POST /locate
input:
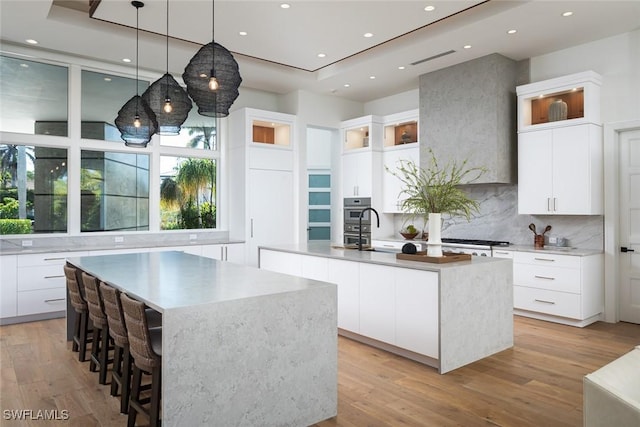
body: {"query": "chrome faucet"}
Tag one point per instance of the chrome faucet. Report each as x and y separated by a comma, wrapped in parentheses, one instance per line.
(360, 224)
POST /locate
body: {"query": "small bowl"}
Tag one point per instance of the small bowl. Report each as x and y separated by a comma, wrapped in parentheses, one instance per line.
(409, 236)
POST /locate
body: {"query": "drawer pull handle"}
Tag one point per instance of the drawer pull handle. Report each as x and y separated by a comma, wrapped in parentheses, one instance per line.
(54, 300)
(54, 277)
(544, 259)
(545, 302)
(544, 277)
(502, 253)
(54, 259)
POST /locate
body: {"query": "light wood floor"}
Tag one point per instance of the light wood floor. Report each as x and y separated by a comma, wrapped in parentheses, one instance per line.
(536, 383)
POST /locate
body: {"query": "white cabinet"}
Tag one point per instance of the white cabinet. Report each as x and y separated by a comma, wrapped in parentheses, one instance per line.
(357, 174)
(8, 286)
(502, 253)
(377, 302)
(346, 275)
(568, 289)
(41, 283)
(560, 171)
(232, 252)
(262, 190)
(392, 186)
(362, 145)
(281, 262)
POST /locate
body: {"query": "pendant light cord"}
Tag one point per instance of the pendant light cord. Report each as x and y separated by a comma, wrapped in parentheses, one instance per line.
(137, 29)
(166, 78)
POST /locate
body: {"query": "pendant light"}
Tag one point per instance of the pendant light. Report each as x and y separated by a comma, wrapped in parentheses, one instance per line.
(167, 99)
(136, 121)
(212, 78)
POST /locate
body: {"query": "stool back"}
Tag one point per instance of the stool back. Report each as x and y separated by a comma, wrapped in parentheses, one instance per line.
(94, 301)
(139, 336)
(75, 295)
(115, 315)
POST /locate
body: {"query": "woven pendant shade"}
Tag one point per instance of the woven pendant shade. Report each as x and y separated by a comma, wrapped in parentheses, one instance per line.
(166, 87)
(141, 135)
(216, 58)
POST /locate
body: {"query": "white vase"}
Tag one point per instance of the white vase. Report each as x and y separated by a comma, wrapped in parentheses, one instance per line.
(434, 244)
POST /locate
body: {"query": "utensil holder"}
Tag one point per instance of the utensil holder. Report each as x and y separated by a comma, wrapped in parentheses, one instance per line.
(538, 241)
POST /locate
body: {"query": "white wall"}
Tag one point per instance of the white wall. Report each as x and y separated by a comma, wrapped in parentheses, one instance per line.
(616, 58)
(404, 101)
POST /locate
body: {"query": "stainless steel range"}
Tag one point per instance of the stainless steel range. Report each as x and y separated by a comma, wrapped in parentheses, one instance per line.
(472, 246)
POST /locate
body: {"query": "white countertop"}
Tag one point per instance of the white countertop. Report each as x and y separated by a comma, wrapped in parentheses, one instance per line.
(166, 280)
(325, 249)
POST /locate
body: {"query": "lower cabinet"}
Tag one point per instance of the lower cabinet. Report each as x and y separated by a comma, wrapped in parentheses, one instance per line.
(393, 305)
(9, 286)
(567, 289)
(232, 252)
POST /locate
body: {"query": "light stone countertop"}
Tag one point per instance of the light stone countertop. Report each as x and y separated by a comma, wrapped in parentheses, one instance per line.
(324, 249)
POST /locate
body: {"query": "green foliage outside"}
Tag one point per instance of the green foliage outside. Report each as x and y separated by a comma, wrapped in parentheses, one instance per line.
(15, 226)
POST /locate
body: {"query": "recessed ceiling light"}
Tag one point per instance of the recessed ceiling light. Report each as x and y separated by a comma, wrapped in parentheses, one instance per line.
(568, 13)
(430, 8)
(372, 77)
(367, 35)
(402, 67)
(23, 65)
(107, 79)
(512, 31)
(322, 55)
(243, 33)
(285, 5)
(347, 85)
(126, 60)
(31, 41)
(467, 46)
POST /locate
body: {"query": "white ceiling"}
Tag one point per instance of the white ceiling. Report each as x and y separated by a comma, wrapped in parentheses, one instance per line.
(279, 53)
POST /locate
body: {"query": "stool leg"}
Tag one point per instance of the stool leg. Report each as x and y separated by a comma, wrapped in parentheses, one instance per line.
(104, 356)
(84, 336)
(156, 387)
(127, 362)
(135, 396)
(95, 349)
(116, 370)
(76, 332)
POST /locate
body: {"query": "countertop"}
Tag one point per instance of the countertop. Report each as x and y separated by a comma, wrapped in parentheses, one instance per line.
(324, 249)
(566, 250)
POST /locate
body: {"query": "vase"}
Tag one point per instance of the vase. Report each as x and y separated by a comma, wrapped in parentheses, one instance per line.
(434, 244)
(557, 110)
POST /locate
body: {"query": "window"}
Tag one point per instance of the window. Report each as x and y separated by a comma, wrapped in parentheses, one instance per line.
(33, 189)
(33, 97)
(114, 191)
(187, 193)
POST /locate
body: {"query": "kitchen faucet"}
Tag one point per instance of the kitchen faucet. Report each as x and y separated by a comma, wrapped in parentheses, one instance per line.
(360, 224)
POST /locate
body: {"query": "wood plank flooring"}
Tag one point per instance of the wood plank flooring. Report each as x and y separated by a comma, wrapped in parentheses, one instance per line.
(538, 382)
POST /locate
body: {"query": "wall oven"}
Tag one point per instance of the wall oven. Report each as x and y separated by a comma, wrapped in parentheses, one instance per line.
(353, 207)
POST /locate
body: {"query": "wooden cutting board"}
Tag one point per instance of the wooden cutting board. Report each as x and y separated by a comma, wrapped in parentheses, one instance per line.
(423, 257)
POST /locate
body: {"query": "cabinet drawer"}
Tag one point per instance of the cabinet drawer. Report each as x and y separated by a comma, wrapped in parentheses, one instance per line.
(546, 277)
(41, 277)
(41, 301)
(501, 253)
(46, 259)
(541, 258)
(550, 302)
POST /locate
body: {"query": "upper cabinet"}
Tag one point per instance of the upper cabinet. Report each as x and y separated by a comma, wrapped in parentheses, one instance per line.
(563, 101)
(363, 133)
(560, 150)
(401, 129)
(468, 112)
(271, 132)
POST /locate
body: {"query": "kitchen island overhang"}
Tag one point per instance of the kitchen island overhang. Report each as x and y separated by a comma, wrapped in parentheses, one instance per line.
(240, 346)
(443, 315)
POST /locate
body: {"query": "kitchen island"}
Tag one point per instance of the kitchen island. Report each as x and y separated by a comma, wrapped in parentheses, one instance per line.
(443, 315)
(240, 346)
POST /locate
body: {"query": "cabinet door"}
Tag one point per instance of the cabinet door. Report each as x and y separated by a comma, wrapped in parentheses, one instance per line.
(281, 262)
(391, 185)
(377, 302)
(235, 252)
(357, 174)
(213, 251)
(270, 210)
(535, 172)
(315, 268)
(346, 275)
(417, 311)
(571, 170)
(9, 286)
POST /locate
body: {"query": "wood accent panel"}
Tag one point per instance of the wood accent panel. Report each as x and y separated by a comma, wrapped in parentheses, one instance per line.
(538, 382)
(540, 106)
(264, 134)
(410, 128)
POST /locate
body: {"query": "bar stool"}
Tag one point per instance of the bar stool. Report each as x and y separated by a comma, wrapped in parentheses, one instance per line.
(122, 361)
(81, 324)
(146, 348)
(101, 338)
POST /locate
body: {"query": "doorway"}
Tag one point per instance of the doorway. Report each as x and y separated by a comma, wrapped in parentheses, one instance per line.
(319, 181)
(622, 222)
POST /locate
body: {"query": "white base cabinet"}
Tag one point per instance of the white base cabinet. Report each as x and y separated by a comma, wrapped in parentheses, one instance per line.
(8, 286)
(565, 289)
(232, 252)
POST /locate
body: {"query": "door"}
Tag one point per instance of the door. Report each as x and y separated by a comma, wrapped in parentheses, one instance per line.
(629, 261)
(319, 213)
(270, 210)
